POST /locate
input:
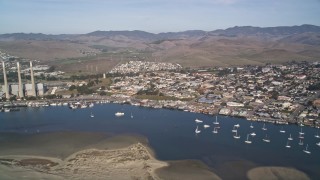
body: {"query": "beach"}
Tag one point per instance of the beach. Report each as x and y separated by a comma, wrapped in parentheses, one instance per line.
(81, 155)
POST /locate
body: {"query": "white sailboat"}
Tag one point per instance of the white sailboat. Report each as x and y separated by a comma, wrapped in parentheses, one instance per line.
(198, 121)
(234, 129)
(266, 139)
(282, 130)
(206, 126)
(237, 125)
(264, 127)
(300, 142)
(91, 115)
(247, 141)
(290, 138)
(197, 131)
(236, 136)
(318, 144)
(288, 145)
(251, 126)
(253, 134)
(216, 122)
(301, 133)
(215, 130)
(306, 150)
(301, 136)
(317, 135)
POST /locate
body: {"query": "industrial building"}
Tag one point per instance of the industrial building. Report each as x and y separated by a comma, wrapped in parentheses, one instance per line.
(20, 90)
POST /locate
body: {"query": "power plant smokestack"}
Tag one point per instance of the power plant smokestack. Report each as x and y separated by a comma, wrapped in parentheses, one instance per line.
(20, 83)
(32, 81)
(6, 88)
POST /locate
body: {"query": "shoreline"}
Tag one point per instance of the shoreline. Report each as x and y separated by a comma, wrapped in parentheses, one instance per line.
(91, 101)
(101, 156)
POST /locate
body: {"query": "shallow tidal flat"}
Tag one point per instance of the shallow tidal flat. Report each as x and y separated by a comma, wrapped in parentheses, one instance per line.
(81, 155)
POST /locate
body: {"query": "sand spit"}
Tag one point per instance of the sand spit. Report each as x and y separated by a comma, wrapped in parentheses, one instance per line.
(276, 173)
(133, 162)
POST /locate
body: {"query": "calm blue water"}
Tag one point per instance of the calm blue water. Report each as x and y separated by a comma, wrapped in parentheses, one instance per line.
(171, 134)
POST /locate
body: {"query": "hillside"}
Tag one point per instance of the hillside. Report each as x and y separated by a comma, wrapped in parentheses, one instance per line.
(194, 48)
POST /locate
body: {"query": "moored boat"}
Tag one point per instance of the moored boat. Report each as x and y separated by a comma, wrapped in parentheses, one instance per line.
(206, 126)
(197, 131)
(247, 141)
(118, 114)
(306, 150)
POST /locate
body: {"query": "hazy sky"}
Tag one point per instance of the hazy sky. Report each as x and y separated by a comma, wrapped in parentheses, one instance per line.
(83, 16)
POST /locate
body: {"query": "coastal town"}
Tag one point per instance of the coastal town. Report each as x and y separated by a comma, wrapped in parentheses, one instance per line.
(288, 93)
(274, 93)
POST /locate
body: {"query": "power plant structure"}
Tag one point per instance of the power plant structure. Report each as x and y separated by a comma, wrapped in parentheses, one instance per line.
(19, 89)
(33, 90)
(6, 87)
(21, 94)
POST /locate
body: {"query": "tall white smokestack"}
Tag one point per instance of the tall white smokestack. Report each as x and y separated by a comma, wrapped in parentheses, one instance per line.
(6, 88)
(32, 81)
(20, 82)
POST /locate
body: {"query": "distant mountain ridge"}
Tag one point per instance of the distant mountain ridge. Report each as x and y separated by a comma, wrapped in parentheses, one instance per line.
(275, 31)
(280, 31)
(245, 45)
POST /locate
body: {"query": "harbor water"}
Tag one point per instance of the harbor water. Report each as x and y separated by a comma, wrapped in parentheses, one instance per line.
(171, 134)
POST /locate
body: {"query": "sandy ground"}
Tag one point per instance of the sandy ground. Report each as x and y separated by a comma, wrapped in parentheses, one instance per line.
(133, 162)
(71, 155)
(276, 173)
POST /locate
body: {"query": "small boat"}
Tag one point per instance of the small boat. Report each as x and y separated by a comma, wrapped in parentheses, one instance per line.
(198, 121)
(318, 144)
(288, 145)
(301, 136)
(264, 127)
(90, 105)
(206, 126)
(236, 136)
(131, 116)
(301, 124)
(197, 131)
(300, 142)
(306, 150)
(91, 115)
(266, 139)
(317, 135)
(215, 130)
(216, 122)
(253, 134)
(282, 130)
(84, 105)
(247, 141)
(234, 129)
(301, 133)
(237, 125)
(251, 126)
(118, 114)
(290, 138)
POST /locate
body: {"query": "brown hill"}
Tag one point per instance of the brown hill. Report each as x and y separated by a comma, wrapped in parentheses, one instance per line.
(233, 46)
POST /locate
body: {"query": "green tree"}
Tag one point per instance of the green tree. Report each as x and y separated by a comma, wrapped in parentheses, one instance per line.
(72, 87)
